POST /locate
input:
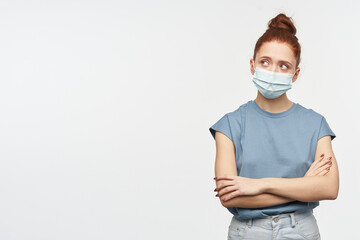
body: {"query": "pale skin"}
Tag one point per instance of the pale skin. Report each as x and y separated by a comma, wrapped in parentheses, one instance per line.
(321, 182)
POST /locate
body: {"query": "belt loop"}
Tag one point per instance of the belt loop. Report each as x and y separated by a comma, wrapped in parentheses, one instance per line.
(292, 219)
(249, 222)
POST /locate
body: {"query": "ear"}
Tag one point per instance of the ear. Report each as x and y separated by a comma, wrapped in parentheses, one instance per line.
(252, 66)
(296, 74)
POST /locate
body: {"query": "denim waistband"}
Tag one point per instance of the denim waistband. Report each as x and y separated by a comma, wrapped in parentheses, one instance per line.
(269, 222)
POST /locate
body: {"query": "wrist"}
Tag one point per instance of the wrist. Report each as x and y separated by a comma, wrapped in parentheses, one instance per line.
(265, 185)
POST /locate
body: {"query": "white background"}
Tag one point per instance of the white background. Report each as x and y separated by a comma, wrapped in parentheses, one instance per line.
(105, 109)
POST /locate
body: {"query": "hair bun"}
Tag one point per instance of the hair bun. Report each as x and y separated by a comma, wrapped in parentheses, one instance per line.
(281, 21)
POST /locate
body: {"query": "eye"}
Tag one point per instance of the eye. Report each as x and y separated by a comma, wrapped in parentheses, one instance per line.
(285, 66)
(263, 61)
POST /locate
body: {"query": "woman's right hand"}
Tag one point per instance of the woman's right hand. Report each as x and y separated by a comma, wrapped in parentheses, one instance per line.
(319, 167)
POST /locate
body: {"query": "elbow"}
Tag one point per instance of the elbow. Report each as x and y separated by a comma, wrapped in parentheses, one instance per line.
(332, 189)
(224, 203)
(333, 195)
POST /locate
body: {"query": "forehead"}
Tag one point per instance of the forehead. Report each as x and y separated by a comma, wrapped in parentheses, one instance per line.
(278, 51)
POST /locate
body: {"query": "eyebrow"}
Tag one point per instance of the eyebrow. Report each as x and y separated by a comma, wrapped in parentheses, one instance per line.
(279, 61)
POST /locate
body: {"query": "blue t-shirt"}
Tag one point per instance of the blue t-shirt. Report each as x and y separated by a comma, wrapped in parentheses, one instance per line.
(279, 145)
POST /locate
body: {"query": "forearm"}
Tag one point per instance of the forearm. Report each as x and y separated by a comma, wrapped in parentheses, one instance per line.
(256, 201)
(305, 189)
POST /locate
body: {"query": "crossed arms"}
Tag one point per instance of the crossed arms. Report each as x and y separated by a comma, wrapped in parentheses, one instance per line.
(278, 190)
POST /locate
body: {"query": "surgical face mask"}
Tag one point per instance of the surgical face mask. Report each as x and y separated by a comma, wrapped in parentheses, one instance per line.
(272, 84)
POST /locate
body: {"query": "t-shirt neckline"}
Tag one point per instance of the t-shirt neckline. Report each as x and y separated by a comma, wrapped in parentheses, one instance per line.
(274, 115)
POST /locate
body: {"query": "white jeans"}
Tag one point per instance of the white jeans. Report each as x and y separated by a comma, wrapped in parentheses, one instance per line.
(296, 225)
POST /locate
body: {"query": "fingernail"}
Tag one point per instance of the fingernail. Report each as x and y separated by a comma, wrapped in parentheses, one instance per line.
(217, 195)
(215, 190)
(215, 178)
(321, 155)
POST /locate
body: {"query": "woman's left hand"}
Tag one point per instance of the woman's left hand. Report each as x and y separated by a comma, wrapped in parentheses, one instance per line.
(235, 186)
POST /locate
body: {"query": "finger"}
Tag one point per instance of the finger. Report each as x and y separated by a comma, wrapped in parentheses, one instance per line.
(322, 156)
(227, 177)
(325, 162)
(324, 172)
(229, 196)
(226, 190)
(321, 169)
(312, 166)
(223, 184)
(319, 160)
(315, 164)
(319, 163)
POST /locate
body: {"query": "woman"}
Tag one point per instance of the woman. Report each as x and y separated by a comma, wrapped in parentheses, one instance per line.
(274, 160)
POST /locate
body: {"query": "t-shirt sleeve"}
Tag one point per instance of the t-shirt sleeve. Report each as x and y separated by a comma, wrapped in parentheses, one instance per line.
(222, 125)
(325, 129)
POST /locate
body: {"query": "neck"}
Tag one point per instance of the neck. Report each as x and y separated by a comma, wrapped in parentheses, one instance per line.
(275, 105)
